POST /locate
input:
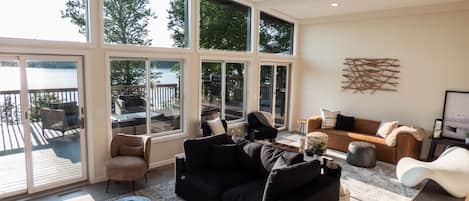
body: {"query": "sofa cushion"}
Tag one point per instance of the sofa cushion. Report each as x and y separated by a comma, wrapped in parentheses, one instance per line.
(385, 128)
(270, 154)
(355, 136)
(366, 126)
(216, 126)
(329, 118)
(252, 191)
(344, 123)
(285, 180)
(224, 157)
(250, 157)
(211, 184)
(198, 151)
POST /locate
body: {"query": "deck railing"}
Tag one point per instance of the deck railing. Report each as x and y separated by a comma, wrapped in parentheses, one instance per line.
(162, 96)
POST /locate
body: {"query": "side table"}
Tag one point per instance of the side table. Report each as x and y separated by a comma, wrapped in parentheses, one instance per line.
(444, 141)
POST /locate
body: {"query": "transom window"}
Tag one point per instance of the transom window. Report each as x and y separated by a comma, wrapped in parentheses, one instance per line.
(275, 35)
(223, 90)
(225, 25)
(146, 96)
(56, 20)
(158, 23)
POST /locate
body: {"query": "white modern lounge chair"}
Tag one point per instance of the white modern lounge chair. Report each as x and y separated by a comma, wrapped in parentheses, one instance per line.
(450, 170)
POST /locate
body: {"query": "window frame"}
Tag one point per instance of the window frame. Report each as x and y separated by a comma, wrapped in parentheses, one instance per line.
(148, 58)
(50, 42)
(223, 87)
(188, 32)
(275, 64)
(251, 26)
(294, 36)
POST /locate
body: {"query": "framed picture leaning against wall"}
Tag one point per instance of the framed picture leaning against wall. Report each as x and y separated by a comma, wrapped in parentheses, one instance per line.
(456, 115)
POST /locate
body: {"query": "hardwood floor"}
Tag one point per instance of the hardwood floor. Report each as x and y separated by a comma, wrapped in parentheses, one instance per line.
(96, 192)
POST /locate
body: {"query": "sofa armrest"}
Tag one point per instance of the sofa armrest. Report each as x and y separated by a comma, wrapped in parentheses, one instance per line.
(313, 123)
(180, 166)
(407, 146)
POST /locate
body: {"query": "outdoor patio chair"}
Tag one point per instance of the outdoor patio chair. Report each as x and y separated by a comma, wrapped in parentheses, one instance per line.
(60, 117)
(130, 104)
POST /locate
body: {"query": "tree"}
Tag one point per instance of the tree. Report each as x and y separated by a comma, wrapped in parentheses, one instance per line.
(125, 22)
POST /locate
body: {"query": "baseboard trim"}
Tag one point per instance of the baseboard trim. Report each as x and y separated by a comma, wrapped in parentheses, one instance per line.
(161, 163)
(98, 179)
(152, 166)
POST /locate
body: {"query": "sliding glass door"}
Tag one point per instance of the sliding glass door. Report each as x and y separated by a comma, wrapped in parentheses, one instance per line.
(42, 123)
(273, 97)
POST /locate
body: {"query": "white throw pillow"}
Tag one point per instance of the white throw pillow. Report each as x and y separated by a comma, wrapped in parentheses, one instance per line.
(329, 118)
(216, 126)
(386, 128)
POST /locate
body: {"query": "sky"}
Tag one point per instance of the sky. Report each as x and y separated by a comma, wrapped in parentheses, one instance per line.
(41, 19)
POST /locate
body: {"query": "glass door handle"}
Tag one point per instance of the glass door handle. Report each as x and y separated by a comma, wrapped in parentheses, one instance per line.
(82, 123)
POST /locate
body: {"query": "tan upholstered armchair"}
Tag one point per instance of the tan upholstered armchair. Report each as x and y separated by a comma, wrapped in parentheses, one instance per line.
(130, 158)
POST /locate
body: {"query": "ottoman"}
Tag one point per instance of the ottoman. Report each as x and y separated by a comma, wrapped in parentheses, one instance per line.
(361, 154)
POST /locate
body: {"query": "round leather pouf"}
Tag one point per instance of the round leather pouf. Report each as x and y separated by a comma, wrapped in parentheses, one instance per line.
(361, 154)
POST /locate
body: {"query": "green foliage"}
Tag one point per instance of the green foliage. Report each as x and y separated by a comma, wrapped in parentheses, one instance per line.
(127, 72)
(177, 22)
(125, 22)
(316, 149)
(42, 101)
(467, 135)
(224, 25)
(275, 35)
(7, 111)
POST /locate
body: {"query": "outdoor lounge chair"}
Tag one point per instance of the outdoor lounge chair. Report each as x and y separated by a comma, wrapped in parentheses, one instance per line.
(60, 117)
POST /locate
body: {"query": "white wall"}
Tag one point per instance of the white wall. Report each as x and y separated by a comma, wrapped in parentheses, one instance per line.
(433, 50)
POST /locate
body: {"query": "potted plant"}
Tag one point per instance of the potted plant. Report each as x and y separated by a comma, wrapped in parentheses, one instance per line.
(315, 150)
(467, 138)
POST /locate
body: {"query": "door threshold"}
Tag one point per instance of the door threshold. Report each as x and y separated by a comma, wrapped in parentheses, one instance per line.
(59, 191)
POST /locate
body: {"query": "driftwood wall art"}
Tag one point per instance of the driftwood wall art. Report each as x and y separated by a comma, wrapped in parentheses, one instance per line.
(362, 75)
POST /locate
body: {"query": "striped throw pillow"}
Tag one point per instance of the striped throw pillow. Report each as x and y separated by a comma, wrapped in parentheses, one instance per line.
(329, 118)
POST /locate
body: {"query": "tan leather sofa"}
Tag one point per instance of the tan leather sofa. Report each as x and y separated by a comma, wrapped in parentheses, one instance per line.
(365, 130)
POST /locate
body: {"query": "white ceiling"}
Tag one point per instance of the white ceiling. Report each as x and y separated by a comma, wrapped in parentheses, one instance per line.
(307, 9)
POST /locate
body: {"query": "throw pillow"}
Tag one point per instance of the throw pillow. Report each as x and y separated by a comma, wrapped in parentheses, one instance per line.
(269, 156)
(344, 123)
(385, 128)
(269, 118)
(224, 157)
(249, 157)
(198, 151)
(216, 126)
(285, 180)
(329, 118)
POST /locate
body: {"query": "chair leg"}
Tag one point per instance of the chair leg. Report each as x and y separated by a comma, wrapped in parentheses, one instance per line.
(133, 186)
(146, 180)
(107, 186)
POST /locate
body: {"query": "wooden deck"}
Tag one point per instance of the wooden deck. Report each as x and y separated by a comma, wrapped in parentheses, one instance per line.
(55, 157)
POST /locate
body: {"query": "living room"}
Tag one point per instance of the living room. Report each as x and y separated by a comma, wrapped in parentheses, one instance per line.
(196, 58)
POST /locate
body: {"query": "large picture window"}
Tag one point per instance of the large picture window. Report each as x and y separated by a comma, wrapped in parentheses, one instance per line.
(275, 35)
(223, 89)
(57, 20)
(274, 92)
(145, 96)
(224, 25)
(158, 23)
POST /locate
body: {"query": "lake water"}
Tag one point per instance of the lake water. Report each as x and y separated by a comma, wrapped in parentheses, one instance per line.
(42, 78)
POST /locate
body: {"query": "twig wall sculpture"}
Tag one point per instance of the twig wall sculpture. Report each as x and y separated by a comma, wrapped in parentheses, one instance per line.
(372, 75)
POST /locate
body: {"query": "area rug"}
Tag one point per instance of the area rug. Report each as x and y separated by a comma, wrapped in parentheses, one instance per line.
(373, 184)
(365, 184)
